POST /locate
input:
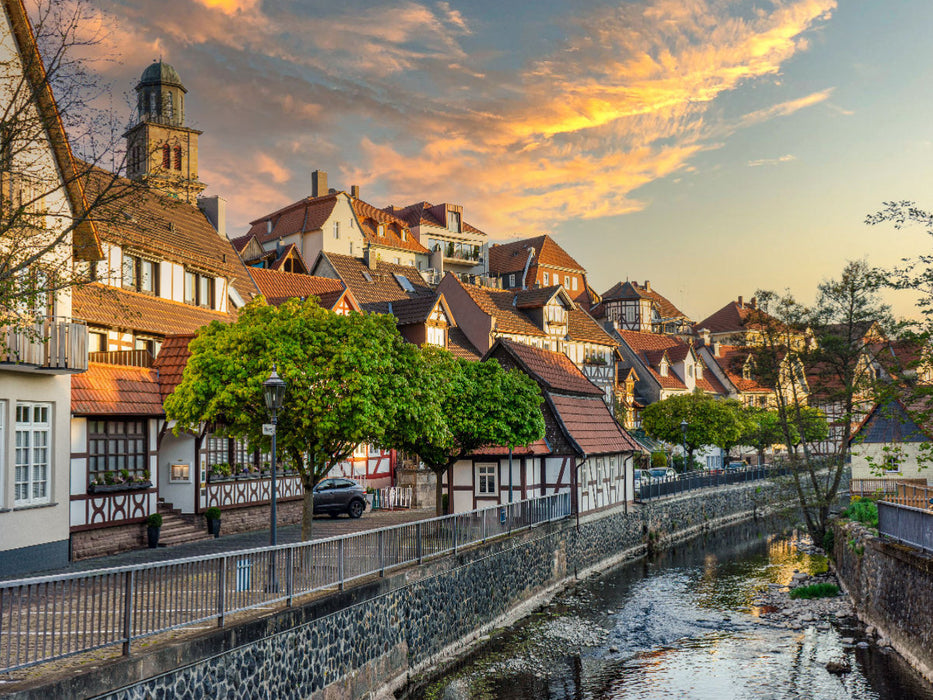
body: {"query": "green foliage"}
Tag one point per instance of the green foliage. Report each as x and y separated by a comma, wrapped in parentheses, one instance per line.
(816, 590)
(212, 513)
(829, 541)
(818, 563)
(863, 511)
(709, 421)
(350, 380)
(658, 459)
(154, 520)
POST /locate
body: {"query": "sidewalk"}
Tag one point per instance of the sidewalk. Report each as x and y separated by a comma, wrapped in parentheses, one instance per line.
(323, 528)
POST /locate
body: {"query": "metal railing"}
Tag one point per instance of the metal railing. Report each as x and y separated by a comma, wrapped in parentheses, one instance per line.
(53, 617)
(913, 495)
(913, 526)
(55, 344)
(657, 488)
(883, 486)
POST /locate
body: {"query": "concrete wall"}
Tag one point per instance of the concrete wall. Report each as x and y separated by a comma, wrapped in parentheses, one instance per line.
(890, 585)
(371, 638)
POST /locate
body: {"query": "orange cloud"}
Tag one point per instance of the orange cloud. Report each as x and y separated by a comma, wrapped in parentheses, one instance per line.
(229, 7)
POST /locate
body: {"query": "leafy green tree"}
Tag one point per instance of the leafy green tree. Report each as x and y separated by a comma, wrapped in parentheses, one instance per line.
(480, 404)
(350, 380)
(763, 429)
(710, 421)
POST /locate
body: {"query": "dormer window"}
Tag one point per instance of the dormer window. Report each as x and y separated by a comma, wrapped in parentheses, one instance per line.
(140, 275)
(512, 280)
(199, 289)
(381, 230)
(547, 279)
(699, 371)
(453, 221)
(663, 368)
(404, 234)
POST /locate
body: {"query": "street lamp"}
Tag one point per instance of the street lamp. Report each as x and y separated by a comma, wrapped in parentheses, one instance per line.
(683, 429)
(273, 391)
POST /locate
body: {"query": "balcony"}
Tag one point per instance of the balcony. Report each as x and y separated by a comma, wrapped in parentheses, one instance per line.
(55, 345)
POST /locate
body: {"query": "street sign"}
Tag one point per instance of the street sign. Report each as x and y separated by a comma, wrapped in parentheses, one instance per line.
(268, 428)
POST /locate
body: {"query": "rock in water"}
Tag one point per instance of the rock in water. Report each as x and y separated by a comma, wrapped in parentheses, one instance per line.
(839, 667)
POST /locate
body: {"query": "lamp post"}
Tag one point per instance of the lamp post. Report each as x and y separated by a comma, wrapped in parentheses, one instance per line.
(683, 429)
(273, 391)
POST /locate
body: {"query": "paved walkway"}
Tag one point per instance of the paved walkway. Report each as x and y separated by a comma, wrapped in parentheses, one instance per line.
(323, 527)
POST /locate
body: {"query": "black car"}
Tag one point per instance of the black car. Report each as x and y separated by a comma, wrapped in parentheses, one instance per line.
(336, 496)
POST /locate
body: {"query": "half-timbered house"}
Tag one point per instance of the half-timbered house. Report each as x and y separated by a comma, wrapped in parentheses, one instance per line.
(633, 307)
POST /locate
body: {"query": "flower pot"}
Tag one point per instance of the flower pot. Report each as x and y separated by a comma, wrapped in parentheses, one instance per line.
(213, 527)
(116, 488)
(152, 533)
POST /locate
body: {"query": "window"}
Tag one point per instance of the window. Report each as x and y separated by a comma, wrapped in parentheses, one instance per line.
(116, 448)
(486, 479)
(177, 157)
(547, 279)
(436, 336)
(152, 102)
(359, 452)
(398, 261)
(573, 283)
(512, 280)
(151, 345)
(381, 230)
(453, 221)
(140, 275)
(199, 289)
(97, 341)
(404, 282)
(891, 463)
(169, 112)
(33, 451)
(567, 281)
(351, 247)
(404, 234)
(166, 156)
(336, 229)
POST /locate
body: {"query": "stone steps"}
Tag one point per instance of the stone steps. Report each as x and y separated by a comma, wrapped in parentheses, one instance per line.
(178, 528)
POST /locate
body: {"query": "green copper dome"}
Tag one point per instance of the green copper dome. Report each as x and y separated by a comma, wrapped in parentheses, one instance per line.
(159, 73)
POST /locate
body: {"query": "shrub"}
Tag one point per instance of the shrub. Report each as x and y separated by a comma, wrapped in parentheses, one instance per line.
(816, 590)
(829, 541)
(212, 513)
(154, 520)
(862, 511)
(658, 460)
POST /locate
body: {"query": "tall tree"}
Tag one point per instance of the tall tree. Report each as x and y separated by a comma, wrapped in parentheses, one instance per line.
(480, 405)
(710, 421)
(350, 380)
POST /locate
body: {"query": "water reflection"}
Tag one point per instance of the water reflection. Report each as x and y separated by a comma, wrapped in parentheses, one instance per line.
(679, 625)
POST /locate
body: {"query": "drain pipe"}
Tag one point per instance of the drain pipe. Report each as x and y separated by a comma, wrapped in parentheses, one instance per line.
(576, 490)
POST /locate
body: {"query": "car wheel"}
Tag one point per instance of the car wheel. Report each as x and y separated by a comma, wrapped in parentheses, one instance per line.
(356, 508)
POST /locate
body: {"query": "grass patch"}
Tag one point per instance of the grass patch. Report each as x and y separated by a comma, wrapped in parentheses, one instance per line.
(819, 564)
(816, 590)
(862, 511)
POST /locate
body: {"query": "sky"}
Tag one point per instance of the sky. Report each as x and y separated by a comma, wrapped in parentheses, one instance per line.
(713, 147)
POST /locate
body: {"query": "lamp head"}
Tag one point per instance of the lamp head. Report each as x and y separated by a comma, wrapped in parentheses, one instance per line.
(273, 391)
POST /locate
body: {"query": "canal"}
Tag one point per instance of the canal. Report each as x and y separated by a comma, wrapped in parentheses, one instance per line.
(681, 624)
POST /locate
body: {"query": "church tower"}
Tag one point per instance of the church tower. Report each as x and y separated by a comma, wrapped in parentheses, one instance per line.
(160, 150)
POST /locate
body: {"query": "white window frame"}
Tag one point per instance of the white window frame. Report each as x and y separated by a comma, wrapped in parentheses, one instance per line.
(547, 279)
(32, 428)
(566, 281)
(360, 451)
(436, 336)
(485, 471)
(573, 283)
(512, 280)
(336, 230)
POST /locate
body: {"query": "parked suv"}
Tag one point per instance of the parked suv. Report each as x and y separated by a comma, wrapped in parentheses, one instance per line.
(336, 496)
(662, 473)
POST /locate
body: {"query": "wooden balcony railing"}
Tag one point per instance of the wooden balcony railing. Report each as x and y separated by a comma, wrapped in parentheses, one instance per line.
(54, 345)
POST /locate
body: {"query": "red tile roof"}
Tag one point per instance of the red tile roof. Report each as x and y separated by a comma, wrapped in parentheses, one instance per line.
(118, 308)
(734, 316)
(536, 297)
(732, 359)
(171, 361)
(116, 390)
(553, 370)
(278, 286)
(632, 290)
(460, 346)
(498, 303)
(309, 214)
(375, 286)
(420, 213)
(588, 422)
(535, 449)
(396, 233)
(582, 326)
(410, 311)
(511, 257)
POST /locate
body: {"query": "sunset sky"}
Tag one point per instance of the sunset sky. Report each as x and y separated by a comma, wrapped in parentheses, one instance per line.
(711, 146)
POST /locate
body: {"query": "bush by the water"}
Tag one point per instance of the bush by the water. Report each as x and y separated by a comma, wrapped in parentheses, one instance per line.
(862, 511)
(816, 590)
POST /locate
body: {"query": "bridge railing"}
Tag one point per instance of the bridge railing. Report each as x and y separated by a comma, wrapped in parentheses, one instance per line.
(907, 524)
(658, 488)
(53, 617)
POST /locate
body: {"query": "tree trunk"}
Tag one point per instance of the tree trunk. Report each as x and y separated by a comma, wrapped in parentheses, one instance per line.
(307, 509)
(439, 492)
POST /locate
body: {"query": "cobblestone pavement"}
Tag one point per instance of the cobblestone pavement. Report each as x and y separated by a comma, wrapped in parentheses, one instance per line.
(323, 527)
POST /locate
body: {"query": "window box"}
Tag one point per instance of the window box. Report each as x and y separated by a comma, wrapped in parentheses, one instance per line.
(116, 488)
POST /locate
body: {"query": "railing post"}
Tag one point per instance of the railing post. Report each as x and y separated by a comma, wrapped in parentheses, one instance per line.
(382, 553)
(221, 590)
(128, 580)
(418, 544)
(456, 532)
(290, 575)
(340, 561)
(485, 513)
(510, 518)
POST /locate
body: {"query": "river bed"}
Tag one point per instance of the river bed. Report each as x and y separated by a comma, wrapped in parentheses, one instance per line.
(682, 624)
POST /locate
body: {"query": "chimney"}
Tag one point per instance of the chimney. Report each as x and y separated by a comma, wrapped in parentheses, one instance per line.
(647, 286)
(715, 346)
(369, 257)
(355, 191)
(318, 183)
(754, 303)
(740, 302)
(704, 336)
(215, 209)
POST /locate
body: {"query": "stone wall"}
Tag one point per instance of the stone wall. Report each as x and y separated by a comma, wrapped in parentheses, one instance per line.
(248, 518)
(890, 585)
(107, 540)
(423, 486)
(370, 639)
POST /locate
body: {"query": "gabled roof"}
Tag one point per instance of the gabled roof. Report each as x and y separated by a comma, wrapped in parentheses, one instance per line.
(589, 425)
(460, 346)
(893, 422)
(632, 290)
(650, 348)
(536, 297)
(498, 303)
(582, 326)
(116, 390)
(108, 306)
(277, 286)
(85, 239)
(396, 233)
(374, 286)
(732, 317)
(289, 253)
(732, 359)
(511, 257)
(552, 370)
(171, 361)
(309, 214)
(414, 310)
(146, 220)
(421, 214)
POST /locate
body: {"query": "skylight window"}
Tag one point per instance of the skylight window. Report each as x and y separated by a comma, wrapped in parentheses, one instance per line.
(404, 282)
(366, 276)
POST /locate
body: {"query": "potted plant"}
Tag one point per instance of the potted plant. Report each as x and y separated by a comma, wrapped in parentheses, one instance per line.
(213, 520)
(153, 525)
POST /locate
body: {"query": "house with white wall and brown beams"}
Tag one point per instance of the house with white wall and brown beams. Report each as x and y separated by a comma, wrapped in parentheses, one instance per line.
(584, 450)
(630, 306)
(42, 350)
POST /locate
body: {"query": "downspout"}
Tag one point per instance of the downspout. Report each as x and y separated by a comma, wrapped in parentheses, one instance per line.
(576, 482)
